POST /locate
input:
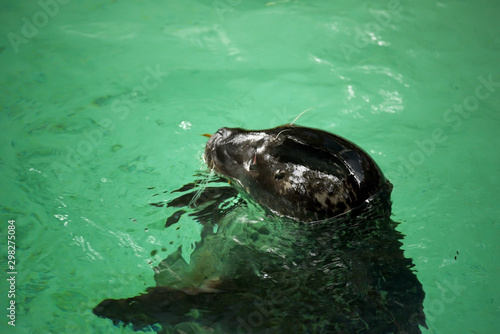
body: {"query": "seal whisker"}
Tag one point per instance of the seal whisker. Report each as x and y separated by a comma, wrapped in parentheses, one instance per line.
(201, 187)
(281, 133)
(296, 118)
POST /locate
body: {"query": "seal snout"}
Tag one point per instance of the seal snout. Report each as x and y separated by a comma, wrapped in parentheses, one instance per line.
(214, 140)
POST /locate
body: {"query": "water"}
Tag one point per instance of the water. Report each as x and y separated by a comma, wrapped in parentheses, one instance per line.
(103, 100)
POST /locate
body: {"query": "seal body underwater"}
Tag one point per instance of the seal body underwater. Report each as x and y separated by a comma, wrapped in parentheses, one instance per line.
(326, 258)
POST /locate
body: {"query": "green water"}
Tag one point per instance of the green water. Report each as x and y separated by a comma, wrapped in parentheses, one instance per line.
(102, 100)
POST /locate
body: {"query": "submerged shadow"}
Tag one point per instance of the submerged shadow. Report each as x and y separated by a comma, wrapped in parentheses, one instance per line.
(342, 275)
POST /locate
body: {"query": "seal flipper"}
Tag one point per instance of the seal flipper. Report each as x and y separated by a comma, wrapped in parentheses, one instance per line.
(160, 305)
(163, 305)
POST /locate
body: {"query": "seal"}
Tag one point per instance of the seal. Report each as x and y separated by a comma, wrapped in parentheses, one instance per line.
(298, 172)
(338, 269)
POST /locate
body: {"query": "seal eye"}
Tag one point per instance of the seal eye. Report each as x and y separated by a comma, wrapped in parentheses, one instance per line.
(279, 175)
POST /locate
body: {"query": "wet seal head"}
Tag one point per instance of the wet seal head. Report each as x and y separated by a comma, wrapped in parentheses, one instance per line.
(298, 172)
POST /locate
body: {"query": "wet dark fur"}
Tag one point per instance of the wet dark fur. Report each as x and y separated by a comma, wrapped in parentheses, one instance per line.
(344, 274)
(301, 173)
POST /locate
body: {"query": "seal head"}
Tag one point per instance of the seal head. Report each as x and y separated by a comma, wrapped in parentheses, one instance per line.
(297, 172)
